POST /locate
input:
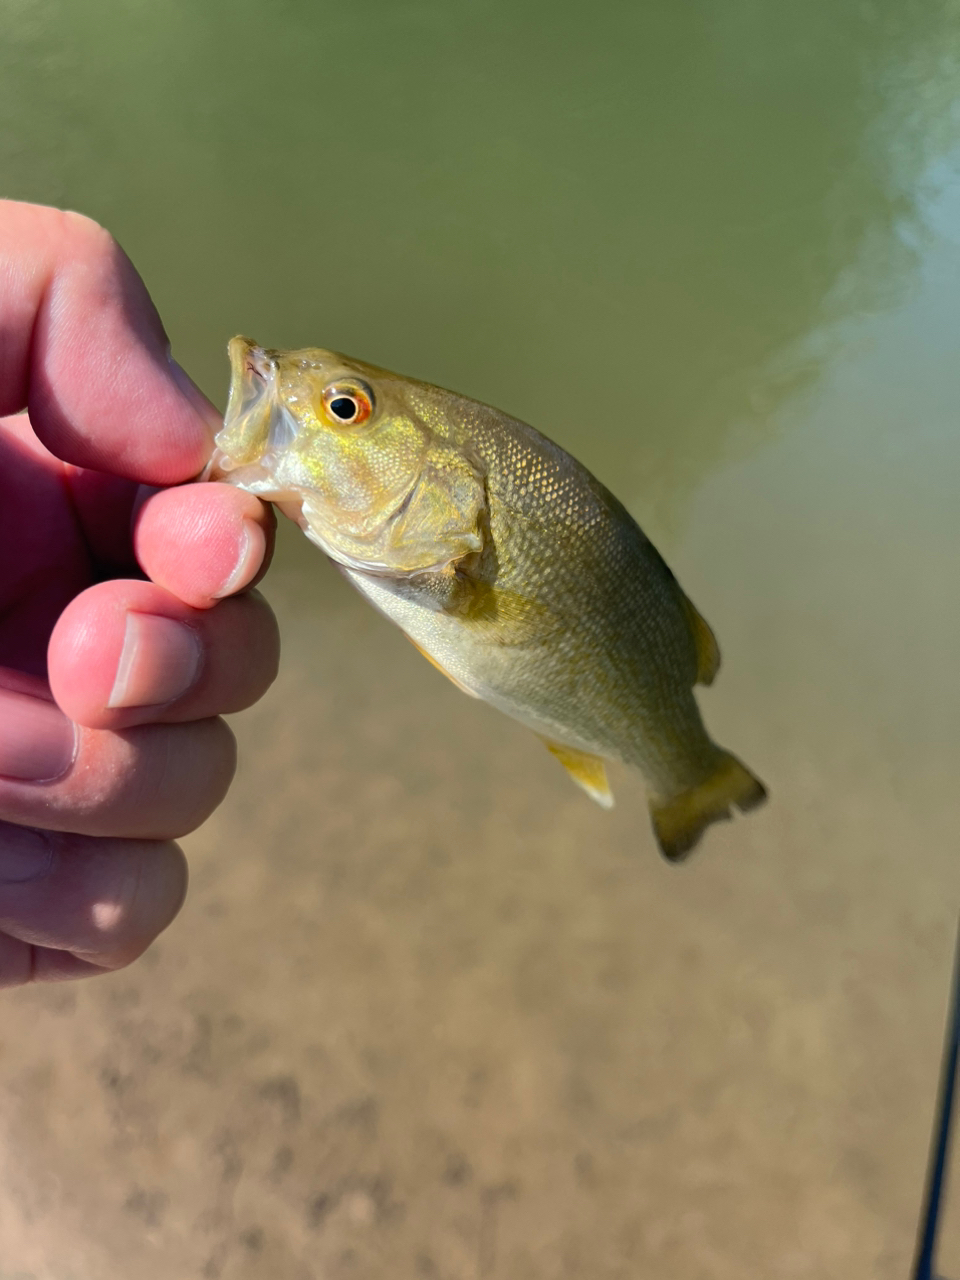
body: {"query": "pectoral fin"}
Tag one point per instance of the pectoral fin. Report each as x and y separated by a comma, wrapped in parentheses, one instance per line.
(509, 618)
(501, 617)
(587, 771)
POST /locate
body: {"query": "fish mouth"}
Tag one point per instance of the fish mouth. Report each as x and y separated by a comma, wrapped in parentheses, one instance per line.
(255, 363)
(257, 426)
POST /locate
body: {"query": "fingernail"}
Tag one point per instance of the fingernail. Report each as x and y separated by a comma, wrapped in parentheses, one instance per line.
(161, 659)
(196, 397)
(37, 741)
(253, 545)
(25, 854)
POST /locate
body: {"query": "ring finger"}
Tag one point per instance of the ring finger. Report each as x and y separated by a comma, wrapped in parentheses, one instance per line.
(151, 781)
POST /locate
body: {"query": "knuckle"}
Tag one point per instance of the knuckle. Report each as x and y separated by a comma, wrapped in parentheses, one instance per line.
(150, 782)
(189, 785)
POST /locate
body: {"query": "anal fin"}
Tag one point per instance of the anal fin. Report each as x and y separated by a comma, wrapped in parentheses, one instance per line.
(588, 771)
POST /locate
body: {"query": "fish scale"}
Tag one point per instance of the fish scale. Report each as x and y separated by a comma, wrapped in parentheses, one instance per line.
(511, 567)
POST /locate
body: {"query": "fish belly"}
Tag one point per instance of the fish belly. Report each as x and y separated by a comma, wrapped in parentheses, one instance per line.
(475, 667)
(587, 705)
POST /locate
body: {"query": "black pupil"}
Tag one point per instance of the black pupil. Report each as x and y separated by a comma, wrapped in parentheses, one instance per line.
(344, 407)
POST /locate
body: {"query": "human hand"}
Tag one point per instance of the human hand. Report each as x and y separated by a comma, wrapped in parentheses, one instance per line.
(95, 785)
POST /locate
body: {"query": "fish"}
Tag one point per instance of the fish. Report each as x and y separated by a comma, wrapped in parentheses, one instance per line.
(507, 563)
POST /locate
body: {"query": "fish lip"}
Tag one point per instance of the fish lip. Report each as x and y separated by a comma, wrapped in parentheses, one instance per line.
(249, 364)
(256, 424)
(262, 364)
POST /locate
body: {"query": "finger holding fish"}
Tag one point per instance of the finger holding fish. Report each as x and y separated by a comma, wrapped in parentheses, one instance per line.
(234, 529)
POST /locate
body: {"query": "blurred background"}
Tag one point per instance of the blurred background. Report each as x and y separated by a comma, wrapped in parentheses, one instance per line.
(428, 1012)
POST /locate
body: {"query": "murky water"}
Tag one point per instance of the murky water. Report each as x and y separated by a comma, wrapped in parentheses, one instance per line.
(428, 1012)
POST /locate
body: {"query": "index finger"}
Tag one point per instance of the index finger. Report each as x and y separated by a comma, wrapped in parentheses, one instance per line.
(83, 349)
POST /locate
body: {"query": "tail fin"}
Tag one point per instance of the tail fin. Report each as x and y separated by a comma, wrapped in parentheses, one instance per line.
(679, 823)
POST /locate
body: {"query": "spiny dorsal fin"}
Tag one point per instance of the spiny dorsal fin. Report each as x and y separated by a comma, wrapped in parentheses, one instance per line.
(708, 651)
(588, 771)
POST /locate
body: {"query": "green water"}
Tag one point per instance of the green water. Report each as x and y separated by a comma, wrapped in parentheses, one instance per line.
(714, 250)
(610, 222)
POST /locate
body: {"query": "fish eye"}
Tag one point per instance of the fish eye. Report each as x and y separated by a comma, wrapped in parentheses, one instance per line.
(347, 404)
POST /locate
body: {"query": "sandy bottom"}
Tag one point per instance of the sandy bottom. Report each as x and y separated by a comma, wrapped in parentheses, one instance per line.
(429, 1013)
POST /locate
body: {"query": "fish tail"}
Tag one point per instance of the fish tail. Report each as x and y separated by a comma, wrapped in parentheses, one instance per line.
(679, 822)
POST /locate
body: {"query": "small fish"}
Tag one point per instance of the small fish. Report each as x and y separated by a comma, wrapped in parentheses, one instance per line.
(509, 566)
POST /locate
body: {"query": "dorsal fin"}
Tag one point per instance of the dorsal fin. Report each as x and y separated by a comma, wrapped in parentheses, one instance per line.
(708, 651)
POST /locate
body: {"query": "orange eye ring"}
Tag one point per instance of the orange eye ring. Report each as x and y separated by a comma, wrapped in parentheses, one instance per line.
(347, 404)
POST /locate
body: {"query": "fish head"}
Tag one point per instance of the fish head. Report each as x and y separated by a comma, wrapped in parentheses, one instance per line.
(338, 445)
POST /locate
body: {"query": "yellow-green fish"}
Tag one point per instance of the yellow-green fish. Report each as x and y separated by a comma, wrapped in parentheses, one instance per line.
(504, 560)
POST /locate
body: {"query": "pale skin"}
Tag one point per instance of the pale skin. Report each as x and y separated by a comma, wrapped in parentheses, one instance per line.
(110, 685)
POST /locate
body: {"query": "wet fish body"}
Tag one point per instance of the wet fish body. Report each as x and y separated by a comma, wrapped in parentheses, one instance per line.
(511, 567)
